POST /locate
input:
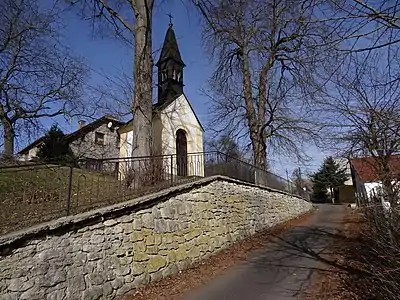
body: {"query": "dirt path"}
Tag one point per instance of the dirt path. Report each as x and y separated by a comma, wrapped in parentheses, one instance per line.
(284, 267)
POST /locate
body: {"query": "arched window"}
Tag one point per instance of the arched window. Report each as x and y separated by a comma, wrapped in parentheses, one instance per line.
(163, 75)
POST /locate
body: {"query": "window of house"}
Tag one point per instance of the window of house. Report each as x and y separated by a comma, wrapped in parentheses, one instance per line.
(99, 138)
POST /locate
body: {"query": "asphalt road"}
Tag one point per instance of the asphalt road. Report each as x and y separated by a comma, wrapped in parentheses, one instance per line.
(283, 268)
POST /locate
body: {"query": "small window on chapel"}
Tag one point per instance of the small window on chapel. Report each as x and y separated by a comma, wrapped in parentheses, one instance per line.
(178, 78)
(99, 138)
(118, 140)
(163, 75)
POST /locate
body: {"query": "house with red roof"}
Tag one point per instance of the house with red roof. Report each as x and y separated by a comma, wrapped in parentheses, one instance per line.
(367, 177)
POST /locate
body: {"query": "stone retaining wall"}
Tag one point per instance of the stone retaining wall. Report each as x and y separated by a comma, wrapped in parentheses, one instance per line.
(103, 254)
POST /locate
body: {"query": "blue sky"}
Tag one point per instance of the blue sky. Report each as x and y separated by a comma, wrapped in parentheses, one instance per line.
(109, 56)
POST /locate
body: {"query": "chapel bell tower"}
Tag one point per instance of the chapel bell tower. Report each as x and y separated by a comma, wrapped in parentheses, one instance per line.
(170, 69)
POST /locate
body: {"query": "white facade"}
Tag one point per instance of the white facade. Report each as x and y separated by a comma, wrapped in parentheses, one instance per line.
(32, 153)
(177, 115)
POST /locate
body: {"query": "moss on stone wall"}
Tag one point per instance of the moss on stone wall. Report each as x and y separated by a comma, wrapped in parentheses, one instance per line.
(108, 258)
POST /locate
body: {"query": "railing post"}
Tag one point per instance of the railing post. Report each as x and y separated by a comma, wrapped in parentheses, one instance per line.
(172, 169)
(69, 189)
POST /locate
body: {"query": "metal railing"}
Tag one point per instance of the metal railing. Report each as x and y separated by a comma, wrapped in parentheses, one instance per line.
(35, 193)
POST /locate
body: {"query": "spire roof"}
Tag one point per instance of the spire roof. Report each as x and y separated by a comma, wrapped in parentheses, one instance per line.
(170, 49)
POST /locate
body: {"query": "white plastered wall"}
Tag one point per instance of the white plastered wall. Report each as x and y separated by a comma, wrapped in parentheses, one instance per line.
(179, 115)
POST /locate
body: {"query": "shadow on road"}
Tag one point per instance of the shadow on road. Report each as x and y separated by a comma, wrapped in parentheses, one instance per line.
(284, 268)
(290, 261)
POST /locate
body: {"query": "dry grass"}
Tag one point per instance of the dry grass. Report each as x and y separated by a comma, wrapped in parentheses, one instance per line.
(31, 195)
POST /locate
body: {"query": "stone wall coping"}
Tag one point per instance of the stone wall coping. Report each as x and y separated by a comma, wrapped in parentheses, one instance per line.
(74, 222)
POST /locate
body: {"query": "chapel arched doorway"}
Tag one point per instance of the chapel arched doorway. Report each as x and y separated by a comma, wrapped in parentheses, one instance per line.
(181, 152)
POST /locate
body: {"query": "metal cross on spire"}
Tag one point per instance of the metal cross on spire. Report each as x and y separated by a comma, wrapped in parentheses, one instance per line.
(170, 19)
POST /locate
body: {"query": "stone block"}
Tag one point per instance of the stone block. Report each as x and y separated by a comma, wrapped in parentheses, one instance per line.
(129, 278)
(150, 240)
(110, 222)
(32, 294)
(137, 223)
(140, 257)
(156, 263)
(77, 246)
(128, 228)
(76, 283)
(94, 256)
(157, 239)
(181, 253)
(91, 248)
(156, 276)
(20, 284)
(167, 212)
(93, 293)
(148, 220)
(120, 252)
(10, 296)
(107, 289)
(118, 229)
(117, 283)
(137, 236)
(194, 252)
(80, 259)
(123, 270)
(160, 226)
(123, 290)
(56, 295)
(138, 268)
(97, 239)
(152, 250)
(126, 260)
(95, 279)
(98, 225)
(141, 280)
(170, 270)
(139, 247)
(172, 225)
(50, 254)
(116, 244)
(126, 219)
(39, 269)
(155, 211)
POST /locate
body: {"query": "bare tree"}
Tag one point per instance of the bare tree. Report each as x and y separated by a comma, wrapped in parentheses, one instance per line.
(267, 55)
(132, 20)
(225, 145)
(362, 112)
(38, 77)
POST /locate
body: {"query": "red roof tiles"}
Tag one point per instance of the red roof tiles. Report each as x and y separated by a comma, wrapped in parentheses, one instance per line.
(366, 168)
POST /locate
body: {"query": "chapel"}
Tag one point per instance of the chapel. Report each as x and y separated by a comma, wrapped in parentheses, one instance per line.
(177, 132)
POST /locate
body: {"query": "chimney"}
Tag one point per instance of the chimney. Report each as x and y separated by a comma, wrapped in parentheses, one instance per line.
(81, 123)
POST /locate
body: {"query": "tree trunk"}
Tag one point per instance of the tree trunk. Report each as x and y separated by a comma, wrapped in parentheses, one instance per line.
(9, 135)
(259, 151)
(143, 80)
